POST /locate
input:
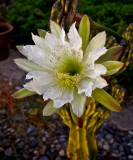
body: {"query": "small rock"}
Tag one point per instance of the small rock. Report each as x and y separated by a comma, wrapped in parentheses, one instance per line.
(34, 143)
(106, 147)
(57, 147)
(114, 154)
(123, 158)
(52, 146)
(36, 152)
(62, 152)
(56, 141)
(43, 139)
(3, 111)
(8, 152)
(1, 149)
(130, 157)
(19, 118)
(121, 148)
(2, 135)
(10, 130)
(129, 144)
(58, 158)
(111, 141)
(109, 136)
(52, 150)
(131, 133)
(17, 140)
(43, 149)
(34, 158)
(62, 139)
(26, 156)
(20, 144)
(30, 129)
(100, 144)
(5, 142)
(43, 158)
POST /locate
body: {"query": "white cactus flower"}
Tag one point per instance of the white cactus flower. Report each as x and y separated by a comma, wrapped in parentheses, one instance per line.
(60, 70)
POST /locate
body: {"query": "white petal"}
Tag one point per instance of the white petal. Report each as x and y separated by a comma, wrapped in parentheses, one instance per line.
(28, 66)
(52, 93)
(47, 47)
(78, 104)
(85, 86)
(37, 55)
(97, 71)
(96, 42)
(62, 36)
(43, 78)
(36, 87)
(32, 86)
(52, 41)
(49, 109)
(99, 83)
(66, 97)
(74, 38)
(39, 41)
(40, 82)
(55, 29)
(94, 55)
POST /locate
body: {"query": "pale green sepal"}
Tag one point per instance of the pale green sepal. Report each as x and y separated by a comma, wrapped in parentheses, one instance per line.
(84, 31)
(111, 55)
(55, 29)
(112, 67)
(106, 100)
(27, 65)
(42, 33)
(22, 93)
(74, 117)
(49, 109)
(20, 48)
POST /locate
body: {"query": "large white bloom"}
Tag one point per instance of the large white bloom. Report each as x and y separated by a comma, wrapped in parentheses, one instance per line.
(60, 71)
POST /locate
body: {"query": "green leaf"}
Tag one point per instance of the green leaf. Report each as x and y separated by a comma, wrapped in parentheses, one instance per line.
(22, 93)
(49, 109)
(111, 55)
(106, 100)
(112, 67)
(84, 31)
(42, 33)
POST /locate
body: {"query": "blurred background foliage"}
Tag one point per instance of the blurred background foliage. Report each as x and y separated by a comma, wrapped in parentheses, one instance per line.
(29, 15)
(115, 14)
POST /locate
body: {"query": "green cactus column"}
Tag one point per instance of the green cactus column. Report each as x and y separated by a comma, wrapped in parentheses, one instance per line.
(82, 143)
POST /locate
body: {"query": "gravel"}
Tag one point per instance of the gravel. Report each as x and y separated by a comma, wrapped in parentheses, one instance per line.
(20, 140)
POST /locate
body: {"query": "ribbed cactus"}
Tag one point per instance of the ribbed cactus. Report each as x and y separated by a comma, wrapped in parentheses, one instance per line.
(63, 12)
(82, 143)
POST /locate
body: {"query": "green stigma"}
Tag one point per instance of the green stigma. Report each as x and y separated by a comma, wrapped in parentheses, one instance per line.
(71, 66)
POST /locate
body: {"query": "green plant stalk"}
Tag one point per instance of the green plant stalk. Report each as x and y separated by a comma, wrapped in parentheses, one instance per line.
(81, 141)
(109, 30)
(77, 147)
(92, 144)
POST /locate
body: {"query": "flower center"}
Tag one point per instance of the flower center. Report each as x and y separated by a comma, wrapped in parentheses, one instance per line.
(71, 66)
(69, 72)
(66, 80)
